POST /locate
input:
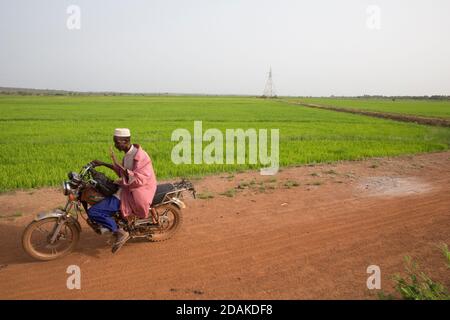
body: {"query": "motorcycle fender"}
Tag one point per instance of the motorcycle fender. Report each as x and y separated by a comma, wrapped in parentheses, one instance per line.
(44, 215)
(180, 204)
(57, 214)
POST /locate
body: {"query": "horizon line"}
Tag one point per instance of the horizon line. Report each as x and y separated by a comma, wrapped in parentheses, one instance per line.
(46, 91)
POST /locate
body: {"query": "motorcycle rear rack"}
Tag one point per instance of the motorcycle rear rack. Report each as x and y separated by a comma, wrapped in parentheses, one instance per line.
(171, 194)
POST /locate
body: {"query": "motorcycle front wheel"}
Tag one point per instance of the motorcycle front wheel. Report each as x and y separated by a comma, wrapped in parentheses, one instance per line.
(37, 235)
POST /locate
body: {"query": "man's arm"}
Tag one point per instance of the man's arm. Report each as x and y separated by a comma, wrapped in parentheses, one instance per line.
(117, 169)
(142, 174)
(98, 163)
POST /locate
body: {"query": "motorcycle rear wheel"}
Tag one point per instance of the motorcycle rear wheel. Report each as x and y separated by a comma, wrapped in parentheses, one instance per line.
(68, 236)
(169, 225)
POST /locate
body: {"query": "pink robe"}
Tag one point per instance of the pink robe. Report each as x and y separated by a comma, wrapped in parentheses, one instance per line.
(138, 190)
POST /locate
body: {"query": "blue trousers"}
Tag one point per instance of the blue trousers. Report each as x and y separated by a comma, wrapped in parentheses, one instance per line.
(103, 211)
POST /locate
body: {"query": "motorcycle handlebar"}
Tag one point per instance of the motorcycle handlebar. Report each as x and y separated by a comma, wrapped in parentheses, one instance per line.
(86, 168)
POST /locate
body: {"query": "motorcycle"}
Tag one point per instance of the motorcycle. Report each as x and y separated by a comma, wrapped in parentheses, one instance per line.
(55, 234)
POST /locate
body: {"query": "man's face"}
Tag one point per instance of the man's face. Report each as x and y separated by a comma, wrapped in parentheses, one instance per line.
(122, 143)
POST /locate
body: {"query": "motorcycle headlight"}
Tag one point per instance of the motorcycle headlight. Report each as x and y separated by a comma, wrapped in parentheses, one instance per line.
(66, 188)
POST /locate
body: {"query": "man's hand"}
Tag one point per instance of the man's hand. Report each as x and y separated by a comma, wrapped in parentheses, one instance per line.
(97, 163)
(113, 156)
(116, 163)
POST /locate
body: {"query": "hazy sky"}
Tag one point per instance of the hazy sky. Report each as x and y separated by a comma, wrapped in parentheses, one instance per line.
(226, 46)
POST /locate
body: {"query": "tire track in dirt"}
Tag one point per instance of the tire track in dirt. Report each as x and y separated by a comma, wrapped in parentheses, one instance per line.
(312, 236)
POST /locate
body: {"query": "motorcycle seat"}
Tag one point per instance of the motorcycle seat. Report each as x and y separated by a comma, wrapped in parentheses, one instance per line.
(161, 191)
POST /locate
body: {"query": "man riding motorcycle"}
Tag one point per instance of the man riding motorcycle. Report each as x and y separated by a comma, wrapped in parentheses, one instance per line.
(137, 186)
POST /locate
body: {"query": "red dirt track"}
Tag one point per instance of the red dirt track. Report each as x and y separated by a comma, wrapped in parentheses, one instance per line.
(383, 115)
(312, 241)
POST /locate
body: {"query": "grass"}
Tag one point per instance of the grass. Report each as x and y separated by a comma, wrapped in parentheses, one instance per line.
(417, 285)
(446, 253)
(205, 195)
(426, 108)
(44, 137)
(229, 193)
(253, 185)
(12, 216)
(314, 183)
(291, 183)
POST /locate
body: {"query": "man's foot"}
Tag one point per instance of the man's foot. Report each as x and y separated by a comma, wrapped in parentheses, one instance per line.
(121, 237)
(154, 216)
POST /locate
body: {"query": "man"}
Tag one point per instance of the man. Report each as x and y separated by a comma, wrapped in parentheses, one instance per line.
(137, 186)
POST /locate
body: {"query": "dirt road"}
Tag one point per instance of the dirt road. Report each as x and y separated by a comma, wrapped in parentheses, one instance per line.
(434, 121)
(308, 233)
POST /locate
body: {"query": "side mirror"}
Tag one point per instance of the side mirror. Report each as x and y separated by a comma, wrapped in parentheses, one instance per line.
(73, 176)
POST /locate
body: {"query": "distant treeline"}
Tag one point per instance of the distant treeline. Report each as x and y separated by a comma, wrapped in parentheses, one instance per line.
(432, 97)
(50, 92)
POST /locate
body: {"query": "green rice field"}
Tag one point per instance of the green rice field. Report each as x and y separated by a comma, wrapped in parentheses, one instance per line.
(425, 108)
(44, 137)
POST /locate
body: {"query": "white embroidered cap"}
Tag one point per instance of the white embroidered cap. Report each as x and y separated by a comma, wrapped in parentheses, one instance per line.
(122, 132)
